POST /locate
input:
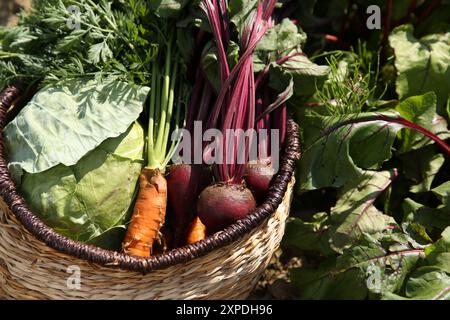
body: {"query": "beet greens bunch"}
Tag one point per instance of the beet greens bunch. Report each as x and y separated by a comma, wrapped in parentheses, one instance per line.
(234, 93)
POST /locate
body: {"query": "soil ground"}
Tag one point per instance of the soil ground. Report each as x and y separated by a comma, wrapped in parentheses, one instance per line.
(275, 283)
(9, 10)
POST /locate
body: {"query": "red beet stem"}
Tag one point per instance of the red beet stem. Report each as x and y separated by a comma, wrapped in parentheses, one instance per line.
(234, 107)
(247, 52)
(393, 119)
(214, 13)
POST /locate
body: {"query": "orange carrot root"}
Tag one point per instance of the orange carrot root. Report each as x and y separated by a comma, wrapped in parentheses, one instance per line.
(196, 232)
(149, 214)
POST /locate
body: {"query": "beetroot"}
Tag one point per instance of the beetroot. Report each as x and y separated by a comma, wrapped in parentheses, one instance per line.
(220, 205)
(185, 183)
(233, 109)
(258, 178)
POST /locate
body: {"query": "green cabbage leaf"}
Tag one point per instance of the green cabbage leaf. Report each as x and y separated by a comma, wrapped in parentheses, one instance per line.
(91, 200)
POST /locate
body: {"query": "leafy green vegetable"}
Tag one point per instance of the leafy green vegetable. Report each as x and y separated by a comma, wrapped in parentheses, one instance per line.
(309, 236)
(423, 220)
(325, 284)
(431, 281)
(443, 193)
(372, 210)
(63, 123)
(422, 111)
(355, 213)
(418, 109)
(307, 75)
(168, 8)
(91, 199)
(281, 49)
(107, 40)
(283, 37)
(367, 267)
(376, 237)
(439, 253)
(360, 146)
(426, 283)
(422, 65)
(239, 11)
(421, 167)
(281, 40)
(332, 159)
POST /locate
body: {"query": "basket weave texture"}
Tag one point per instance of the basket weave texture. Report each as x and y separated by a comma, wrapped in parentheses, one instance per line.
(37, 263)
(31, 270)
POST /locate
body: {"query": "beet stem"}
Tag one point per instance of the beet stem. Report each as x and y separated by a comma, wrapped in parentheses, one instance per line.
(399, 120)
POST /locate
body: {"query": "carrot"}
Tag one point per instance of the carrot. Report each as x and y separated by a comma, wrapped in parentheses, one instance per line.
(196, 232)
(149, 213)
(164, 117)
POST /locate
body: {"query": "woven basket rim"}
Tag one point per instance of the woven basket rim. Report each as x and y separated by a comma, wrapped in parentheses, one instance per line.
(106, 258)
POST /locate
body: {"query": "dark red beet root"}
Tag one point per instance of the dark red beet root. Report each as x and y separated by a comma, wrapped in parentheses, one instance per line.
(220, 205)
(258, 178)
(185, 183)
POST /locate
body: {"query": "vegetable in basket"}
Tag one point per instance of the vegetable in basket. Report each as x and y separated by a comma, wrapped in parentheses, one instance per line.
(166, 100)
(71, 120)
(255, 81)
(76, 151)
(229, 200)
(114, 42)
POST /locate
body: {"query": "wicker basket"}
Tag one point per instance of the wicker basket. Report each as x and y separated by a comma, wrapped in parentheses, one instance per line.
(34, 260)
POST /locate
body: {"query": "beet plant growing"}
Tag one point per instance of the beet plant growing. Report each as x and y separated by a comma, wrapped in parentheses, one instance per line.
(370, 219)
